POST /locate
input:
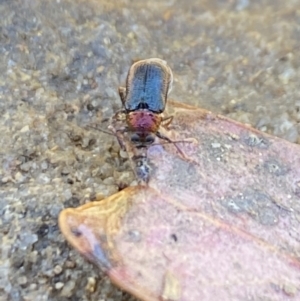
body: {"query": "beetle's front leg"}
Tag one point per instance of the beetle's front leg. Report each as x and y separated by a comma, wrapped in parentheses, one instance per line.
(120, 138)
(119, 135)
(166, 121)
(122, 93)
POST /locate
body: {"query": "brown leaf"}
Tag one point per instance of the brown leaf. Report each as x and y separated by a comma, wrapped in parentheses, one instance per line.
(223, 225)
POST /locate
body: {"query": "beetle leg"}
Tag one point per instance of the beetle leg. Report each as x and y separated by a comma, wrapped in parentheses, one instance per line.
(161, 136)
(167, 120)
(120, 138)
(118, 132)
(122, 93)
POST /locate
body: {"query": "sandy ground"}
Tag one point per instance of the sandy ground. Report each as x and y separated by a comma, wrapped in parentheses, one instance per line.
(61, 63)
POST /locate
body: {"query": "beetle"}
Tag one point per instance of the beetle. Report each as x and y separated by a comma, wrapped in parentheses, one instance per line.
(144, 99)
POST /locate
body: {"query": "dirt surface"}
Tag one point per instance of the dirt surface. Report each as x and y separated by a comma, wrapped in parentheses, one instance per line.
(61, 63)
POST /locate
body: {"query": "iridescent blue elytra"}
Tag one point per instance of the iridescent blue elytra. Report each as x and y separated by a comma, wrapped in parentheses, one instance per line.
(147, 86)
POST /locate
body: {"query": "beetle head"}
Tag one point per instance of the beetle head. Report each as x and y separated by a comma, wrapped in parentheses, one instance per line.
(142, 139)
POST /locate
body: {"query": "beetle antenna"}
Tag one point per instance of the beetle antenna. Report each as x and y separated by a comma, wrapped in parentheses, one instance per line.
(100, 130)
(172, 142)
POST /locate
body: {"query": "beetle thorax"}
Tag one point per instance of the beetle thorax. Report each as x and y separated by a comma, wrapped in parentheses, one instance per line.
(143, 121)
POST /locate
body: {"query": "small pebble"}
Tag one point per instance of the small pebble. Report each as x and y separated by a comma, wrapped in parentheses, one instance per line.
(107, 170)
(19, 177)
(131, 35)
(106, 41)
(70, 264)
(109, 181)
(59, 285)
(44, 165)
(43, 179)
(56, 180)
(24, 129)
(100, 69)
(125, 178)
(22, 280)
(91, 284)
(123, 154)
(68, 289)
(65, 171)
(57, 270)
(215, 145)
(6, 179)
(33, 256)
(26, 166)
(42, 280)
(33, 286)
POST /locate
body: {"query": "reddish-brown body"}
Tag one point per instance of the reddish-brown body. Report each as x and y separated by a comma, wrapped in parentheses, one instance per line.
(143, 121)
